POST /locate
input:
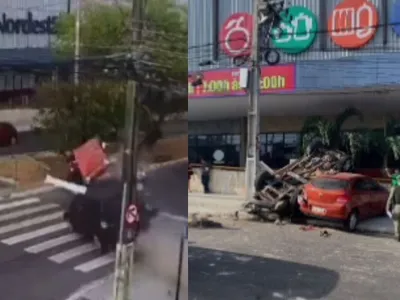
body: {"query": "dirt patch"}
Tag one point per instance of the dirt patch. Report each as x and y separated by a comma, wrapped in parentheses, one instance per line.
(29, 172)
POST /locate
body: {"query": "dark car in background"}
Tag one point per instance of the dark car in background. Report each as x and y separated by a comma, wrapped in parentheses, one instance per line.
(8, 134)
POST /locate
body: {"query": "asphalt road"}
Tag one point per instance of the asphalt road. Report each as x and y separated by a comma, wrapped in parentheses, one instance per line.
(41, 260)
(260, 261)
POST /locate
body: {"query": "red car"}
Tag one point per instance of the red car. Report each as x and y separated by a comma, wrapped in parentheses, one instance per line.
(8, 135)
(343, 197)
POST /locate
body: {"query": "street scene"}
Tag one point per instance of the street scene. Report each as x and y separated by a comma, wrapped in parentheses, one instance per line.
(294, 188)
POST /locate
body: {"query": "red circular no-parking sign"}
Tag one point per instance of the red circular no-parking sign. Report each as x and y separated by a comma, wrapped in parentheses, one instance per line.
(132, 215)
(235, 34)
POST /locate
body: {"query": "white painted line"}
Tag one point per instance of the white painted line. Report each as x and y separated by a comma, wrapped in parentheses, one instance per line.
(74, 252)
(40, 190)
(15, 204)
(34, 234)
(31, 222)
(174, 217)
(53, 243)
(96, 263)
(27, 212)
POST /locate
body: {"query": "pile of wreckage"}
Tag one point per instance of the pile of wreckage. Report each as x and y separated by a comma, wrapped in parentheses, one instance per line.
(277, 191)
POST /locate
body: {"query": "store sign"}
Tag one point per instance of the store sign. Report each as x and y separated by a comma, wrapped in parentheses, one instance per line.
(225, 83)
(27, 25)
(353, 23)
(235, 35)
(395, 20)
(298, 32)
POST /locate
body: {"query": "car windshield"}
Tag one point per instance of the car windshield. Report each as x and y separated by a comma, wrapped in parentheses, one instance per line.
(330, 184)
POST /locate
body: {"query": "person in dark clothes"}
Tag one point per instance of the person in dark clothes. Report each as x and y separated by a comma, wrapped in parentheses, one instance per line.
(190, 173)
(205, 176)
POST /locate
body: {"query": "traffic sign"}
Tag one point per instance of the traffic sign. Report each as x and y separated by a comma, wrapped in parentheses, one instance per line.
(353, 23)
(235, 35)
(297, 32)
(132, 215)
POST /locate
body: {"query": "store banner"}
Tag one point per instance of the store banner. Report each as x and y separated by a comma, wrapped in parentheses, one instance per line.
(225, 83)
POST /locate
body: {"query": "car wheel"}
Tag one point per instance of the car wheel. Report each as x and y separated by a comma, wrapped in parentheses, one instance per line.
(352, 221)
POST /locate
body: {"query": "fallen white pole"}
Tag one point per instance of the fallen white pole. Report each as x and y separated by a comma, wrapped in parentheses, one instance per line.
(73, 187)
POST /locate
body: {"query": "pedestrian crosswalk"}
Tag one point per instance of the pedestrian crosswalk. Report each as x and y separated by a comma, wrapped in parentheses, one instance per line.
(38, 228)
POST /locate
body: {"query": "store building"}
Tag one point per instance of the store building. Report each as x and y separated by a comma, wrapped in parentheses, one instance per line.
(26, 29)
(334, 54)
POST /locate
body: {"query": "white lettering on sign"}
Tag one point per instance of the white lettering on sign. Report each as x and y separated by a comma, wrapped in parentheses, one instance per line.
(347, 21)
(235, 26)
(292, 30)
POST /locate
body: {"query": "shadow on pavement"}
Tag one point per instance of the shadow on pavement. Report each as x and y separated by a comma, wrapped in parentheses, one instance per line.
(216, 275)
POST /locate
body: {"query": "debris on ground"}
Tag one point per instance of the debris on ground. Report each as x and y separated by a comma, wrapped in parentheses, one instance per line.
(277, 191)
(196, 221)
(307, 228)
(325, 233)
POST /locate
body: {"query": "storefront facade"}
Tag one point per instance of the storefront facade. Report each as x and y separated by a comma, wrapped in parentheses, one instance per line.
(326, 65)
(26, 31)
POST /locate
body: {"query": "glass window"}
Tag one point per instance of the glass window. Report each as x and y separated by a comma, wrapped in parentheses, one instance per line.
(202, 140)
(192, 140)
(235, 139)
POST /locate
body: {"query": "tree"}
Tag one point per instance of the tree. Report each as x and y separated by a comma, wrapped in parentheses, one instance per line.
(329, 131)
(100, 112)
(106, 30)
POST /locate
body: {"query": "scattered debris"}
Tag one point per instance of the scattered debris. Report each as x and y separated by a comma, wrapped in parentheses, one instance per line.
(307, 228)
(195, 221)
(325, 233)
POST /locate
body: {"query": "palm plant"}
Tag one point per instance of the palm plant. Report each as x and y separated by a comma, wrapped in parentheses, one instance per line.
(330, 131)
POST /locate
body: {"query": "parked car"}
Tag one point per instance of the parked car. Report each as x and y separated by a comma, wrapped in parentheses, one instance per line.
(344, 197)
(8, 134)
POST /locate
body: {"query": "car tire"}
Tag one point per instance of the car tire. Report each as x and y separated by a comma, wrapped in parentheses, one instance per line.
(263, 180)
(351, 222)
(295, 211)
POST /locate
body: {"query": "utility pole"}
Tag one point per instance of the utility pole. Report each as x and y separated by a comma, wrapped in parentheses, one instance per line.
(126, 244)
(253, 112)
(77, 42)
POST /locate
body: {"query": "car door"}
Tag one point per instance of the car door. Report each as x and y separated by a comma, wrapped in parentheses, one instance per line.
(378, 197)
(361, 197)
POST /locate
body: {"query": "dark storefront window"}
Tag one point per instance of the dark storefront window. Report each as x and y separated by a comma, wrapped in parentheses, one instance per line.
(218, 149)
(276, 149)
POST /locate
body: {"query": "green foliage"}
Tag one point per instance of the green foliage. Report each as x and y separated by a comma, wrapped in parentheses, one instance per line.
(329, 131)
(100, 112)
(97, 108)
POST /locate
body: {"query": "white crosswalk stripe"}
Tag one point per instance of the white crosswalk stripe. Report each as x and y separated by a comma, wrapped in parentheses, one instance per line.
(74, 252)
(95, 263)
(34, 234)
(39, 228)
(19, 203)
(53, 243)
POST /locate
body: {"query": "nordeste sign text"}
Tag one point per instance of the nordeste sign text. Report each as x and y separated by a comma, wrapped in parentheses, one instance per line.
(27, 25)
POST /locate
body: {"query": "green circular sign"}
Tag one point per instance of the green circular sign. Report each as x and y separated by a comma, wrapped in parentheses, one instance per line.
(297, 31)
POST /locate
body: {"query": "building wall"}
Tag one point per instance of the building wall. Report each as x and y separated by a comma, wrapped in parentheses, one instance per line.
(206, 18)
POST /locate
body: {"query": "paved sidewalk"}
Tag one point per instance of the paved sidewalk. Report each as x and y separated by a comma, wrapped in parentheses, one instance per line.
(226, 205)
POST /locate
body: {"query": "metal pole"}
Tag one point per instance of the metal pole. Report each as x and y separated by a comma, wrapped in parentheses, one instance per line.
(180, 262)
(253, 113)
(126, 244)
(77, 42)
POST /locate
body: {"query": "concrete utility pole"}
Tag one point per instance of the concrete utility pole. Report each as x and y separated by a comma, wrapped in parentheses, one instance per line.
(77, 42)
(253, 113)
(126, 244)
